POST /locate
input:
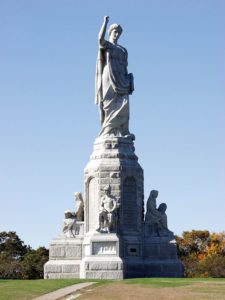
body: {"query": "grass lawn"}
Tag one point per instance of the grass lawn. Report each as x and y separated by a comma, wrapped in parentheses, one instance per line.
(132, 289)
(158, 289)
(28, 289)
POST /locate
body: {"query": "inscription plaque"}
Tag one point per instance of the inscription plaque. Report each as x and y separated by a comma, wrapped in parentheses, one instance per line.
(103, 248)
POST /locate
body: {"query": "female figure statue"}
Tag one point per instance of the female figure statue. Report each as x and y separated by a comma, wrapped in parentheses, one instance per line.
(113, 83)
(156, 218)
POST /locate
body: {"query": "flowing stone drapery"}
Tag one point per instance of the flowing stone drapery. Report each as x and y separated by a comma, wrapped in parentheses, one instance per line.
(113, 85)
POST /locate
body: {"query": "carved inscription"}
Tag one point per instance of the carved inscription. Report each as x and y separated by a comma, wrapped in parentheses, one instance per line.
(104, 248)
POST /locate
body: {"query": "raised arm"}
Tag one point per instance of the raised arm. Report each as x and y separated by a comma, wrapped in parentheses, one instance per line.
(101, 35)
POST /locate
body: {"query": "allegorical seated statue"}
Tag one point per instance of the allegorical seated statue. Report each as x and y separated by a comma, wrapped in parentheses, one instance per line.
(156, 218)
(108, 211)
(79, 214)
(69, 225)
(113, 83)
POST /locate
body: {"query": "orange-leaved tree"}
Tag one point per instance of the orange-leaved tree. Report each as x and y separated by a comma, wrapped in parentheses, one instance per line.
(202, 253)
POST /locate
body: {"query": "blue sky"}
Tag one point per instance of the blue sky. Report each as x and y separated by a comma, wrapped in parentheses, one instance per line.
(48, 120)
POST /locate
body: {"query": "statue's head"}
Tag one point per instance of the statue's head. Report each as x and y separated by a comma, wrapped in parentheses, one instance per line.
(115, 31)
(162, 208)
(107, 189)
(154, 194)
(67, 214)
(78, 196)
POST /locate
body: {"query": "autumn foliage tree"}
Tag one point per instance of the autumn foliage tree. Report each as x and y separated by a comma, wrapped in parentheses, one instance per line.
(202, 253)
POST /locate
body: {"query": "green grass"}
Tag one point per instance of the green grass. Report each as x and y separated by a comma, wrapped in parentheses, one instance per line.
(29, 289)
(171, 282)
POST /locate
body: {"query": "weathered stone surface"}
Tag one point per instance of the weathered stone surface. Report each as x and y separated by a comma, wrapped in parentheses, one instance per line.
(151, 250)
(110, 168)
(50, 268)
(103, 266)
(62, 275)
(57, 251)
(160, 268)
(168, 251)
(71, 268)
(173, 267)
(73, 252)
(104, 275)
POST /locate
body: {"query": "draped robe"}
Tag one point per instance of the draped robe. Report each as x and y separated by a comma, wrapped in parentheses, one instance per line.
(113, 86)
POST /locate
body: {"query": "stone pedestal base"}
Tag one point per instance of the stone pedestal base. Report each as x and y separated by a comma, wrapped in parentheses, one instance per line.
(59, 269)
(65, 255)
(163, 268)
(101, 257)
(160, 258)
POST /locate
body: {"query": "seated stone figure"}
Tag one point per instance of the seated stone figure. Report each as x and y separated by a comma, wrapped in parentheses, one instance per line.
(79, 214)
(70, 226)
(107, 215)
(156, 218)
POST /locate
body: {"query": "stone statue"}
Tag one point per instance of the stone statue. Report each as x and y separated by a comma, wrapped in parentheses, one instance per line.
(156, 218)
(113, 83)
(108, 208)
(68, 224)
(79, 214)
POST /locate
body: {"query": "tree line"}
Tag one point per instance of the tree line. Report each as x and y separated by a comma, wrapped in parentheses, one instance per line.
(201, 252)
(20, 261)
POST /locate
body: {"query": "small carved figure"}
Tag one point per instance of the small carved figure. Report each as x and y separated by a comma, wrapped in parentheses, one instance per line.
(68, 224)
(107, 215)
(156, 218)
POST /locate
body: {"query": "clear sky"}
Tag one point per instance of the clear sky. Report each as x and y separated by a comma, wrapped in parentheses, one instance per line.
(48, 120)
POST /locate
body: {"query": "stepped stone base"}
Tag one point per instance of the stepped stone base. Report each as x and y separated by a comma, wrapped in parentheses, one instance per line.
(65, 256)
(60, 269)
(109, 267)
(163, 268)
(160, 258)
(101, 257)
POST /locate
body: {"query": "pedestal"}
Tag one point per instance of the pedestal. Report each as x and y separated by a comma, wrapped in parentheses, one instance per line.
(113, 163)
(160, 258)
(101, 257)
(65, 255)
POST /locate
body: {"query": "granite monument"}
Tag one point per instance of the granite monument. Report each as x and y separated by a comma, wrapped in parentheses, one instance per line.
(114, 239)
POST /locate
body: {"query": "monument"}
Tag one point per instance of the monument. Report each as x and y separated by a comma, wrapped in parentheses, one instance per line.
(113, 238)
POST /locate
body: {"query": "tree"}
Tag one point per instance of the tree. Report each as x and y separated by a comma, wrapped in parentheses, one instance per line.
(12, 250)
(33, 262)
(202, 253)
(11, 246)
(18, 260)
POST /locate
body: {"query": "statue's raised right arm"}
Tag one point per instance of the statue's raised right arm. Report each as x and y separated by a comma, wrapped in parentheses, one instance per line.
(101, 35)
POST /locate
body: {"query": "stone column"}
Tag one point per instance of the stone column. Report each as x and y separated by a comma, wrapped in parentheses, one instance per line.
(114, 163)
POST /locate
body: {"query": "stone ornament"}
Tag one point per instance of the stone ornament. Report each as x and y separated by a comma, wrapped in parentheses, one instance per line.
(113, 83)
(108, 212)
(156, 218)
